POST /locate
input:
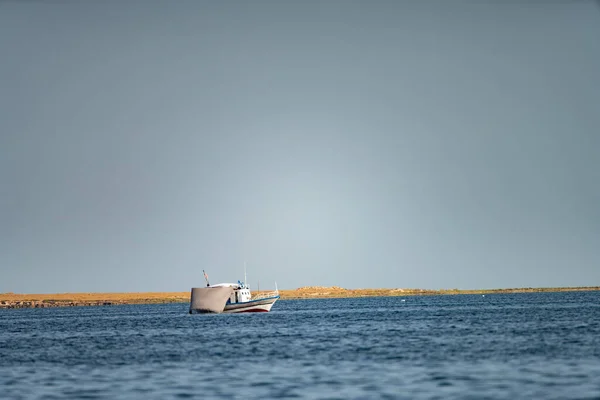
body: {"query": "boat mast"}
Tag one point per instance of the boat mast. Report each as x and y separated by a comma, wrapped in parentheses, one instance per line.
(245, 277)
(206, 278)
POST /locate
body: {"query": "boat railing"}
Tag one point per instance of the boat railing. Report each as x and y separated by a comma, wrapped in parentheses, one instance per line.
(265, 295)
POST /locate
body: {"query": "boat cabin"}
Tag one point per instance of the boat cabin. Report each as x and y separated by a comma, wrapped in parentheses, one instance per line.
(241, 292)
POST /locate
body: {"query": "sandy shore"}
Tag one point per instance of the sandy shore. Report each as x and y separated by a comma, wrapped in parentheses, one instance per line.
(12, 300)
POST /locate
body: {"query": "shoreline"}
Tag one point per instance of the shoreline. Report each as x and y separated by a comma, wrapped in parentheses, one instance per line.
(13, 300)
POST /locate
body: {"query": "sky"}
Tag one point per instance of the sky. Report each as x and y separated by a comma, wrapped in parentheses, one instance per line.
(387, 144)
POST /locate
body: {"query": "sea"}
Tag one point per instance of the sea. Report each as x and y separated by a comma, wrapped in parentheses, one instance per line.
(497, 346)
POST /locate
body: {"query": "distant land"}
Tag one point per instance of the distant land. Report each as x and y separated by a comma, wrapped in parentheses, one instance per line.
(13, 300)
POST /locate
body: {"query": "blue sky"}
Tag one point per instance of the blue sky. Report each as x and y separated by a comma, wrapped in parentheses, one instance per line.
(424, 144)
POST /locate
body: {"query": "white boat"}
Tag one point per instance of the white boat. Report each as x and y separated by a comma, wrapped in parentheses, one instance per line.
(230, 298)
(241, 300)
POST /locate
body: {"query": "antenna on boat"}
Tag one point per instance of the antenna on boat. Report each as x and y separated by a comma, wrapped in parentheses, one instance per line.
(206, 278)
(245, 277)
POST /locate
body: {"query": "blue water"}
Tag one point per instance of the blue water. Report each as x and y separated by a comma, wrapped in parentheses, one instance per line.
(544, 345)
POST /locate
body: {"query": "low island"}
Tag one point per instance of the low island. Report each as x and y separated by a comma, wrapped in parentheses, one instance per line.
(14, 300)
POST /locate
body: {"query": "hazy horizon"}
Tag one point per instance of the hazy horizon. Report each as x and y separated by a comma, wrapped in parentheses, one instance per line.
(384, 144)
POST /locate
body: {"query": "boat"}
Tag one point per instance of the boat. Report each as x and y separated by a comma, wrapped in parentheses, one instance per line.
(230, 298)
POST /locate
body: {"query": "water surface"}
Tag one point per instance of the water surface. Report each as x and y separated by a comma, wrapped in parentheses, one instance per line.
(539, 345)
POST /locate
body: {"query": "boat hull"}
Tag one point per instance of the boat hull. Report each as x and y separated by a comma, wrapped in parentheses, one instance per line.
(260, 305)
